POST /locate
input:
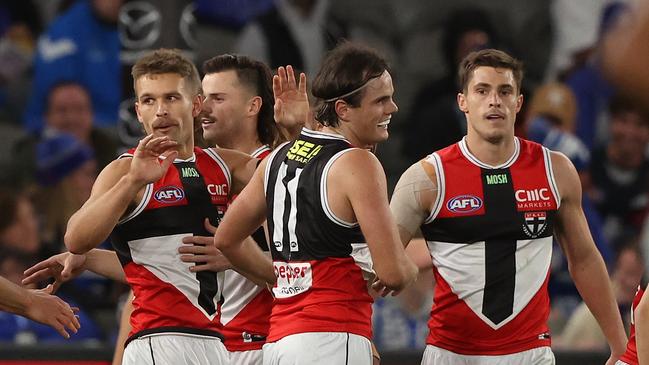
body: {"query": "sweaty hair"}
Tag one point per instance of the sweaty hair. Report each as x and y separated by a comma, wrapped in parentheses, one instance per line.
(345, 71)
(257, 77)
(165, 61)
(491, 58)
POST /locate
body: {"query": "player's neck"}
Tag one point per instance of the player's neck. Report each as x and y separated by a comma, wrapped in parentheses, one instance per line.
(245, 145)
(493, 153)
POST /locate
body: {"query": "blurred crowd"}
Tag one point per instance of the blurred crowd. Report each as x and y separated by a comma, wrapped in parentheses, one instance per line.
(66, 112)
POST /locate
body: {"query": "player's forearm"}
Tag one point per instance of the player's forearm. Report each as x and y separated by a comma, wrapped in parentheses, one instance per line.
(249, 260)
(13, 298)
(106, 264)
(93, 223)
(642, 330)
(593, 283)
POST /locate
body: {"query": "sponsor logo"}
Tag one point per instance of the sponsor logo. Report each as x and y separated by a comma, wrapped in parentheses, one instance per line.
(169, 194)
(535, 223)
(496, 179)
(139, 24)
(218, 189)
(533, 198)
(293, 278)
(302, 151)
(464, 204)
(189, 172)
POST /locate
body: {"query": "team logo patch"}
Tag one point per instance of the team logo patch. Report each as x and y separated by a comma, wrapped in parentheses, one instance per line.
(169, 194)
(464, 204)
(535, 223)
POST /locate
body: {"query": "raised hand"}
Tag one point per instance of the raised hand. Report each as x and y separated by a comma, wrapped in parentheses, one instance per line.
(152, 158)
(62, 267)
(43, 307)
(291, 101)
(201, 251)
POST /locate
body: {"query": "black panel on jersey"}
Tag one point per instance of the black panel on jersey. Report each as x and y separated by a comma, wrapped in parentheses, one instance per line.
(317, 236)
(500, 254)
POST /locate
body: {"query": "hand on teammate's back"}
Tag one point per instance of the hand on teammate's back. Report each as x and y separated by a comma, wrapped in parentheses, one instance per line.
(45, 308)
(62, 267)
(201, 251)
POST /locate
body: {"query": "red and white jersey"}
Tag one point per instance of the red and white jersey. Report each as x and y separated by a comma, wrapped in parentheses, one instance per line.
(631, 355)
(246, 306)
(490, 237)
(168, 297)
(319, 259)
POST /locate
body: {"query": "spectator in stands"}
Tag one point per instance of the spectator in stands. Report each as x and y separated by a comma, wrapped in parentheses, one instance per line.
(83, 45)
(592, 91)
(293, 32)
(581, 331)
(435, 121)
(18, 224)
(620, 170)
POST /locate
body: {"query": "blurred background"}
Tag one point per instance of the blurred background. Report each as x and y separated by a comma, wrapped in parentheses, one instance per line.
(66, 110)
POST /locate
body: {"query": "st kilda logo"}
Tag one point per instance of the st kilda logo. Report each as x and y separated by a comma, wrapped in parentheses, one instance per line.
(535, 223)
(169, 194)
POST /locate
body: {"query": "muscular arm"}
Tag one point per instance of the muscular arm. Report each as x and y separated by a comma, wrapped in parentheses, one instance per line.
(358, 176)
(412, 199)
(641, 316)
(232, 236)
(114, 190)
(584, 261)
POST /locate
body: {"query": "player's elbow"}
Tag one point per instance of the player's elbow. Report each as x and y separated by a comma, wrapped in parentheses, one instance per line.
(74, 243)
(399, 276)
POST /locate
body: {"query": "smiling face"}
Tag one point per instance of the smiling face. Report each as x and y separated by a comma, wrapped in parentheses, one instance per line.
(227, 105)
(490, 102)
(368, 123)
(166, 107)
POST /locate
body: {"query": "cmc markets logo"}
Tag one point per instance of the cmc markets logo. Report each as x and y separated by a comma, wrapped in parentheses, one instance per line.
(464, 204)
(169, 194)
(140, 24)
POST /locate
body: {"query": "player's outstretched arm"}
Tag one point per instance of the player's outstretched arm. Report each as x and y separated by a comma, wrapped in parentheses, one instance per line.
(641, 316)
(232, 236)
(67, 266)
(291, 102)
(585, 263)
(360, 177)
(40, 306)
(115, 189)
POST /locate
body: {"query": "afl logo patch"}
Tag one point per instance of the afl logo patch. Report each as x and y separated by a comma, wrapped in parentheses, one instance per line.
(463, 204)
(169, 194)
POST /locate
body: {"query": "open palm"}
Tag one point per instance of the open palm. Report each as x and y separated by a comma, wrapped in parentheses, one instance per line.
(291, 100)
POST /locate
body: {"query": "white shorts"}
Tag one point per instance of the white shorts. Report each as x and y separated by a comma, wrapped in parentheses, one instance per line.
(438, 356)
(175, 349)
(251, 357)
(319, 348)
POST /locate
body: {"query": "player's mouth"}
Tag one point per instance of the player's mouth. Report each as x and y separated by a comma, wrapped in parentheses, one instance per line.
(384, 124)
(207, 121)
(495, 116)
(163, 125)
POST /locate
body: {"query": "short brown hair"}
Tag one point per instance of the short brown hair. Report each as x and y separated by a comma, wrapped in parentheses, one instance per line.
(346, 68)
(163, 61)
(491, 58)
(257, 77)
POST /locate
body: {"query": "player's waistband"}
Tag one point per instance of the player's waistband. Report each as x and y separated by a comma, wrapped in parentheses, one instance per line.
(173, 330)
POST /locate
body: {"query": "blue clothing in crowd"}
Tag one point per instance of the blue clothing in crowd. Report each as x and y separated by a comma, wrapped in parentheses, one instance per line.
(80, 47)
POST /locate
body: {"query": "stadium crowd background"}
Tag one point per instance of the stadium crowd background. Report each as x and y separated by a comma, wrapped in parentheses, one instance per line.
(65, 112)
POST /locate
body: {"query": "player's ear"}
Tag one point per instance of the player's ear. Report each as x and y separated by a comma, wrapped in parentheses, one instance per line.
(254, 105)
(462, 103)
(342, 110)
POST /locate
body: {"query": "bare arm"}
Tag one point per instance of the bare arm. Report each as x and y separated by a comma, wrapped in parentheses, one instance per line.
(124, 329)
(67, 266)
(360, 177)
(242, 167)
(115, 189)
(38, 305)
(641, 317)
(232, 236)
(584, 261)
